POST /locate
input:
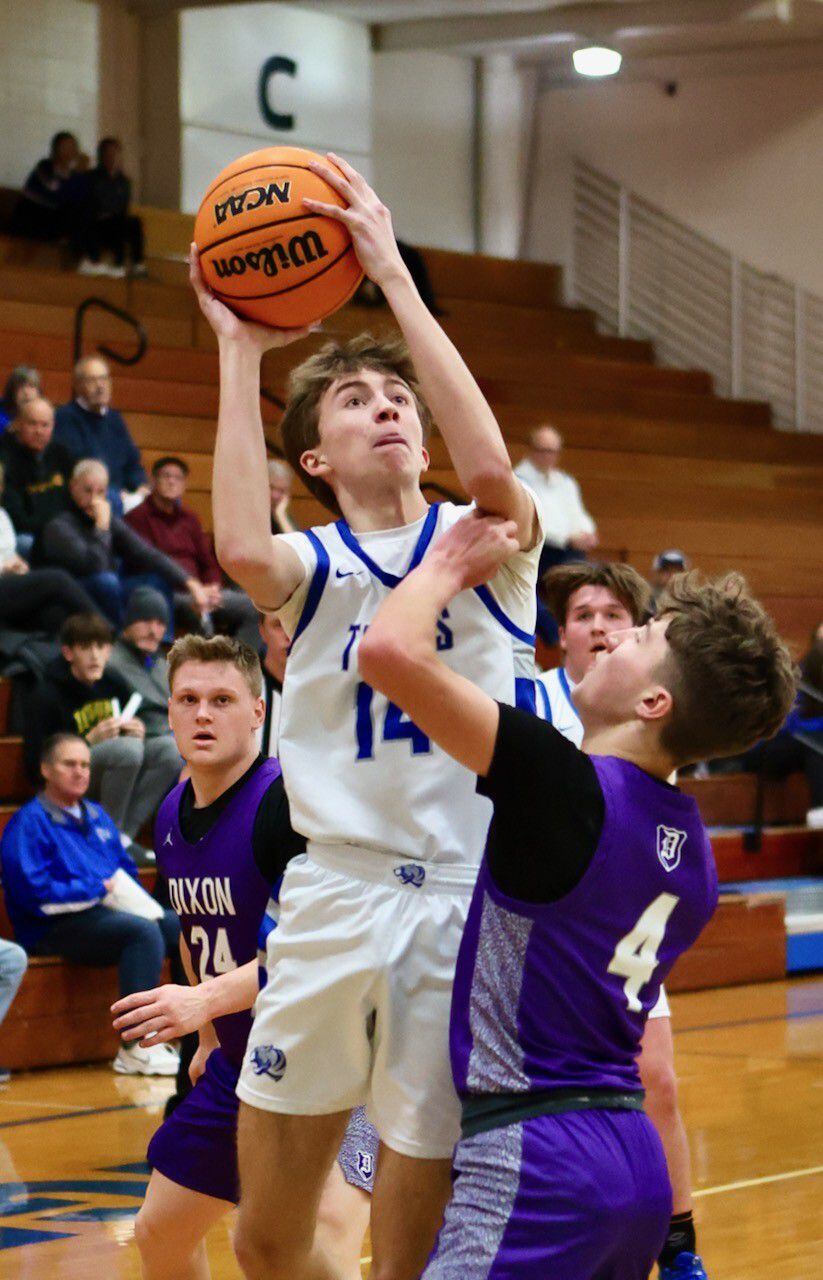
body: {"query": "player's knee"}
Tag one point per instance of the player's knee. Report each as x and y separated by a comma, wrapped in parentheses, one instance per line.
(149, 1234)
(339, 1238)
(261, 1253)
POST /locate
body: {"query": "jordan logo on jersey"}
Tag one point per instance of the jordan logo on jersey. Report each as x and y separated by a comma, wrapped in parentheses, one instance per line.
(267, 1060)
(168, 839)
(670, 843)
(411, 873)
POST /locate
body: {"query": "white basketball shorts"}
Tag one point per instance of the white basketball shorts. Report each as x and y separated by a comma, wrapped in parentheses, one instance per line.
(356, 1005)
(661, 1008)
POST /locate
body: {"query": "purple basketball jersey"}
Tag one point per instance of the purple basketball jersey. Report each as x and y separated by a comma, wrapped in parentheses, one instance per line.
(217, 891)
(555, 996)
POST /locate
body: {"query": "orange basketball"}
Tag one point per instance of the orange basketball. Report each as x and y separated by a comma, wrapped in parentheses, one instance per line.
(263, 253)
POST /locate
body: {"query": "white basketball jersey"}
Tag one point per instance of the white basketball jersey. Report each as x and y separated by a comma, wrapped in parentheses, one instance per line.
(553, 702)
(357, 770)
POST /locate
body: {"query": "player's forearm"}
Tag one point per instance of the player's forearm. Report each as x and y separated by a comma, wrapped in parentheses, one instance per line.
(400, 644)
(231, 992)
(240, 492)
(458, 406)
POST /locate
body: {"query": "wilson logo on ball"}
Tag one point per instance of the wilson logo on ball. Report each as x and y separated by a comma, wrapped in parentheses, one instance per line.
(263, 252)
(300, 251)
(250, 199)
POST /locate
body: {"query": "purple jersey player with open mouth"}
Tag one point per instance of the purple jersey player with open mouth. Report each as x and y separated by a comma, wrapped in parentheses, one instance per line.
(223, 839)
(597, 875)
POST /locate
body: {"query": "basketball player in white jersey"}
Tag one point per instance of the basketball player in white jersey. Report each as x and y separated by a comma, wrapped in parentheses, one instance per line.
(588, 602)
(362, 962)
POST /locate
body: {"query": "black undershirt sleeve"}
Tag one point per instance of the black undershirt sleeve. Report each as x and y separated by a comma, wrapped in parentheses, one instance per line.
(548, 809)
(274, 841)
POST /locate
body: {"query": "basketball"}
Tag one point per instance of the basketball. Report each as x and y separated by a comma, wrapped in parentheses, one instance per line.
(263, 253)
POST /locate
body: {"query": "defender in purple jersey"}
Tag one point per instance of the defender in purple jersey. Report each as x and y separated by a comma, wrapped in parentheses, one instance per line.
(223, 839)
(588, 601)
(597, 875)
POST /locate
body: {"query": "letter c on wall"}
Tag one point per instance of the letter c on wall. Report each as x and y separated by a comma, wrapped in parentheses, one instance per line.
(277, 64)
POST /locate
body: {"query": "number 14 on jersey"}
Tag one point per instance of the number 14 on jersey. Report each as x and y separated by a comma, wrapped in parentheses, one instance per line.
(390, 723)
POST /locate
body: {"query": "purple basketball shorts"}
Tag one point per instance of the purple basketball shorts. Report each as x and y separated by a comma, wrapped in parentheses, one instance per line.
(197, 1146)
(582, 1195)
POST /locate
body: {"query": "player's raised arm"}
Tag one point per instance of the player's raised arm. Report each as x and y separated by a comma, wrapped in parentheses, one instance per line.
(398, 654)
(458, 406)
(268, 569)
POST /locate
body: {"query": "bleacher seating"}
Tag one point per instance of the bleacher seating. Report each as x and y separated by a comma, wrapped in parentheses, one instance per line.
(661, 459)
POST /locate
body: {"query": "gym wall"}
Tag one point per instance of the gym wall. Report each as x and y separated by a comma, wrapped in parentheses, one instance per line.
(735, 156)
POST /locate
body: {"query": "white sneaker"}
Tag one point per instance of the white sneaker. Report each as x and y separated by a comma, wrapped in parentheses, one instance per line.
(160, 1060)
(814, 818)
(86, 267)
(117, 273)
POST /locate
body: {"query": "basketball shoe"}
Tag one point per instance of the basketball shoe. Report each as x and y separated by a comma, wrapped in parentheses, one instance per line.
(159, 1060)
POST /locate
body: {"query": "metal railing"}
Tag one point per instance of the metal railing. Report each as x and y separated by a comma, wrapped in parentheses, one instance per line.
(102, 305)
(647, 275)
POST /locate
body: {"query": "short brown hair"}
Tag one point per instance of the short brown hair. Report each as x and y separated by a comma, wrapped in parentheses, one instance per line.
(193, 648)
(83, 629)
(731, 677)
(53, 744)
(300, 424)
(560, 583)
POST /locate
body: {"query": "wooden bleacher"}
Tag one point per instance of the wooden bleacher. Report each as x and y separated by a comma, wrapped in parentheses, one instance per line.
(662, 462)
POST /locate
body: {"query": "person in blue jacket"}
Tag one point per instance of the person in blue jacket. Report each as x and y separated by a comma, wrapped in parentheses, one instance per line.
(59, 854)
(89, 428)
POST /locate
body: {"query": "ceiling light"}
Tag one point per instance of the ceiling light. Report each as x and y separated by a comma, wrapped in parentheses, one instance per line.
(596, 61)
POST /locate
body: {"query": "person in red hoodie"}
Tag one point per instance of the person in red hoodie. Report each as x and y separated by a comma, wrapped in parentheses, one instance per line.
(163, 521)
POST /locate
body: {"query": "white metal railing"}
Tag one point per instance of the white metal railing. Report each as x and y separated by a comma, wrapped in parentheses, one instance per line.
(647, 275)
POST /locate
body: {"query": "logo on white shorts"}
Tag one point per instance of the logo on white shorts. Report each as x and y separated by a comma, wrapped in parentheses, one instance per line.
(365, 1165)
(411, 873)
(670, 843)
(266, 1060)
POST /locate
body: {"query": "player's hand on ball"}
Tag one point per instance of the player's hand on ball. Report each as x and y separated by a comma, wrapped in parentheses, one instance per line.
(162, 1014)
(367, 218)
(475, 548)
(229, 327)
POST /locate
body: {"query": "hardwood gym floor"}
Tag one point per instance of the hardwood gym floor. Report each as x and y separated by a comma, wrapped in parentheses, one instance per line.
(751, 1070)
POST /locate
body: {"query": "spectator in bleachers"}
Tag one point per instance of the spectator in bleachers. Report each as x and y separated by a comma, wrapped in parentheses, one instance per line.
(163, 521)
(130, 771)
(35, 600)
(22, 384)
(281, 479)
(100, 549)
(49, 208)
(60, 857)
(137, 657)
(273, 662)
(570, 532)
(37, 471)
(13, 965)
(107, 225)
(666, 566)
(90, 428)
(798, 747)
(808, 724)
